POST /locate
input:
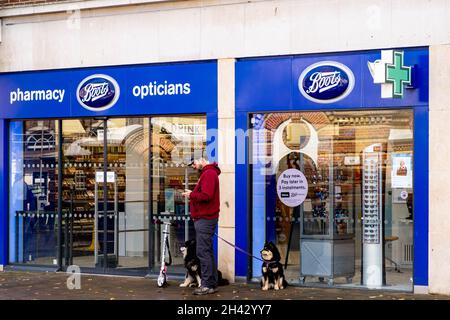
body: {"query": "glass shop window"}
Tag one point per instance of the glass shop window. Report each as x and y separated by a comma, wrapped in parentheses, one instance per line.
(175, 142)
(333, 190)
(33, 192)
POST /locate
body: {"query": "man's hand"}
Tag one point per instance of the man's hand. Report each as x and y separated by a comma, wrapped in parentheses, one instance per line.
(186, 194)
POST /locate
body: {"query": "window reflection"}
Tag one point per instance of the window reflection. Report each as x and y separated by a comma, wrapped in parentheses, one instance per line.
(175, 141)
(33, 192)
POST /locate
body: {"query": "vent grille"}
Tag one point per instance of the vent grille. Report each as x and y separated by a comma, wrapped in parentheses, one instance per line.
(408, 253)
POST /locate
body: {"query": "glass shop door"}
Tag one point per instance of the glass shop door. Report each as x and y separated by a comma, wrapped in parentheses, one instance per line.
(105, 225)
(176, 140)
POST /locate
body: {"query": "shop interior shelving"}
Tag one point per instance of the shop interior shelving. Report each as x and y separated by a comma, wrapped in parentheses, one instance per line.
(79, 198)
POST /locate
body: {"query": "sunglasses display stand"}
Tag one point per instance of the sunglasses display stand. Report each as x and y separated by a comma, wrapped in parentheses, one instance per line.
(372, 224)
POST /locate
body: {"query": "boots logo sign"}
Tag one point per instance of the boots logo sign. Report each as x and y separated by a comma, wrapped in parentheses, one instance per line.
(98, 92)
(326, 82)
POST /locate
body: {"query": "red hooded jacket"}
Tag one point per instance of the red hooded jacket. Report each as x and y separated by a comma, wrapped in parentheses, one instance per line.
(205, 198)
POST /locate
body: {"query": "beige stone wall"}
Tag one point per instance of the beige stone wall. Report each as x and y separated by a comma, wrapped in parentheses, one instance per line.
(439, 171)
(14, 3)
(226, 142)
(163, 31)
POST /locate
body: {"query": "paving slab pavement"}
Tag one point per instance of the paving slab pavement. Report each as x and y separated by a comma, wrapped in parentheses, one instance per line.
(16, 285)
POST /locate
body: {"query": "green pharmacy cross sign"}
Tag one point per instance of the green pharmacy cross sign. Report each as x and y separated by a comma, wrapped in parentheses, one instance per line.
(391, 73)
(398, 74)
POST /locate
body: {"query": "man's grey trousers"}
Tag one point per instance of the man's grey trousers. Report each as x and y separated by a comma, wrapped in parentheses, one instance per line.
(204, 235)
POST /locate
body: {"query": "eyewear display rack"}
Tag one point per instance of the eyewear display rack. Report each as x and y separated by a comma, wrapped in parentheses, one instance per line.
(372, 226)
(327, 239)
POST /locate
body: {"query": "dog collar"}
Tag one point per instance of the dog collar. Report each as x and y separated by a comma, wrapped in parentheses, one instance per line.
(267, 264)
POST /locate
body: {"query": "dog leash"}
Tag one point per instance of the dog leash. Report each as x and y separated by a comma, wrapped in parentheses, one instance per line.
(237, 248)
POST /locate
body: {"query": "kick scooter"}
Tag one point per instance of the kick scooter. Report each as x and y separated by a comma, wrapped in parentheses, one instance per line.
(162, 278)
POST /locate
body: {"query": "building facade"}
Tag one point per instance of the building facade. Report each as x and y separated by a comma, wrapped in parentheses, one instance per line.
(351, 94)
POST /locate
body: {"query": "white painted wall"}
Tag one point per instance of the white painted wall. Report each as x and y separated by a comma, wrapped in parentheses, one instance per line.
(211, 29)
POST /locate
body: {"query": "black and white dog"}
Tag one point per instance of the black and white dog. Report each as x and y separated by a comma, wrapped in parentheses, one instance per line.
(193, 269)
(192, 265)
(272, 269)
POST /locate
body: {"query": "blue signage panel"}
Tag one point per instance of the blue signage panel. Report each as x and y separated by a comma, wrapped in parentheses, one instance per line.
(33, 94)
(183, 88)
(263, 83)
(110, 91)
(326, 81)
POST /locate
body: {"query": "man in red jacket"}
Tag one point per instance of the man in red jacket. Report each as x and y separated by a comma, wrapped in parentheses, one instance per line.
(205, 206)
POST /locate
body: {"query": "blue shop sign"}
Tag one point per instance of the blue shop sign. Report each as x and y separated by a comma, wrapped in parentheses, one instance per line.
(326, 82)
(98, 92)
(187, 88)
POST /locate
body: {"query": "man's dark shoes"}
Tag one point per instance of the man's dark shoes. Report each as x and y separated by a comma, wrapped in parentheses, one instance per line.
(204, 290)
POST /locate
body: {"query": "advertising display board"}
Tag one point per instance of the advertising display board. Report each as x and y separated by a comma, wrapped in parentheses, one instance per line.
(292, 187)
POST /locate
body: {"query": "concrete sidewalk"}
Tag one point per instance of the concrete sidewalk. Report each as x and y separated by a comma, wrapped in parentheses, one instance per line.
(46, 285)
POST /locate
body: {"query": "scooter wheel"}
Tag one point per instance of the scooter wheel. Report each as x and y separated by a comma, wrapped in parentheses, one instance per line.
(162, 280)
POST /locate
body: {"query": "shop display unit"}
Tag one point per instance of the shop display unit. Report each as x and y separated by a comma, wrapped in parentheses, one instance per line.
(372, 227)
(327, 238)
